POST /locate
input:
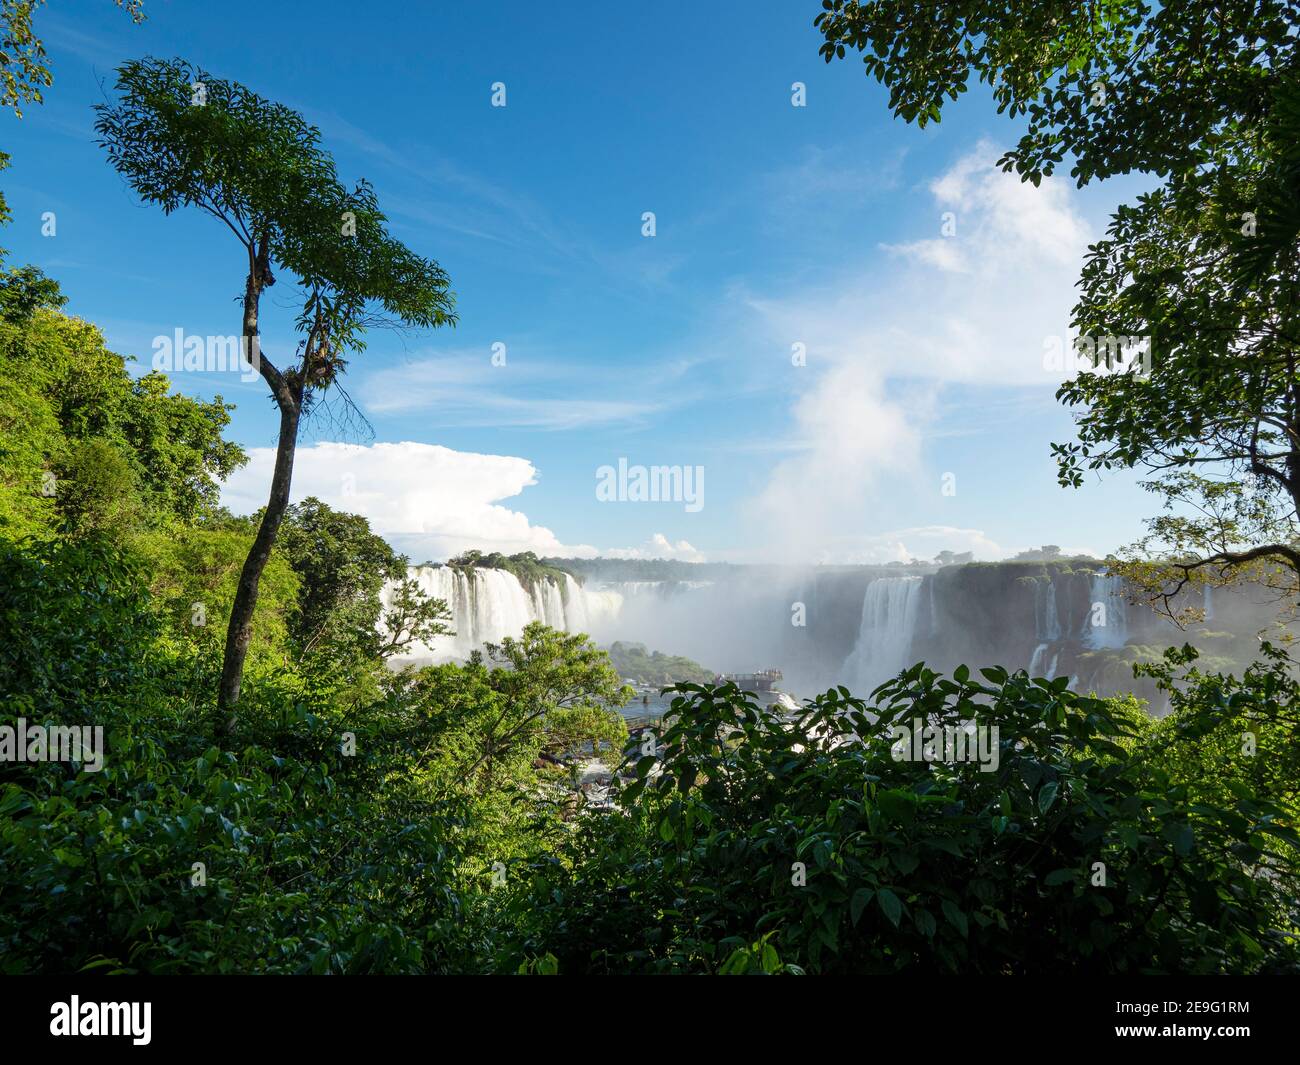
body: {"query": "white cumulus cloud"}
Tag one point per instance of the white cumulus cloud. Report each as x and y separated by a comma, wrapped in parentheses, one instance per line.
(428, 501)
(658, 546)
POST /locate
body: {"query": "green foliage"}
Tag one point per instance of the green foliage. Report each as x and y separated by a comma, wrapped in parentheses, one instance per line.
(30, 441)
(551, 691)
(434, 827)
(123, 452)
(23, 74)
(1175, 75)
(758, 959)
(326, 834)
(357, 820)
(506, 736)
(23, 70)
(26, 290)
(177, 445)
(192, 575)
(1224, 733)
(76, 636)
(1223, 453)
(808, 836)
(181, 136)
(312, 860)
(512, 809)
(96, 491)
(546, 671)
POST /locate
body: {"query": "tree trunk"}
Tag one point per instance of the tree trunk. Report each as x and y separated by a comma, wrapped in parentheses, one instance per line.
(288, 397)
(240, 632)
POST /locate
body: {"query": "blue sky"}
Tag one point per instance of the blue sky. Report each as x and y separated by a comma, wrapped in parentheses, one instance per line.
(776, 225)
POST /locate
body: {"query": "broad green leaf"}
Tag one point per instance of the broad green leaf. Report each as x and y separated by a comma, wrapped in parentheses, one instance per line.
(890, 904)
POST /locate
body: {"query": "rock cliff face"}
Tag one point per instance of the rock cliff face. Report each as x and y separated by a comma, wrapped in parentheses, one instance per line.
(1073, 620)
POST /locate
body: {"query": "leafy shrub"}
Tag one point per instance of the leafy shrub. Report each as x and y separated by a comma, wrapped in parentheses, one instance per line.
(336, 834)
(311, 861)
(915, 866)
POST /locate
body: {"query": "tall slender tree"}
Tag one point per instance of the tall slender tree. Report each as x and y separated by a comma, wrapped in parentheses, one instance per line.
(184, 138)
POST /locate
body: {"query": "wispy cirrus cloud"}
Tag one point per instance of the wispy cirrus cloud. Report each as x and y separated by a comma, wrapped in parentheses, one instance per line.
(837, 174)
(464, 389)
(464, 201)
(61, 35)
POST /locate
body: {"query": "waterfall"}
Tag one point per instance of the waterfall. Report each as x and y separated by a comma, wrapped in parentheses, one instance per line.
(1207, 602)
(1047, 622)
(1036, 661)
(548, 604)
(501, 605)
(602, 605)
(1107, 592)
(487, 605)
(889, 610)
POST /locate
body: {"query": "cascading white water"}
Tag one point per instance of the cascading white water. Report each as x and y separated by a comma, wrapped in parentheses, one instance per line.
(1107, 593)
(889, 612)
(1036, 661)
(501, 605)
(489, 604)
(600, 606)
(548, 604)
(1047, 629)
(1047, 622)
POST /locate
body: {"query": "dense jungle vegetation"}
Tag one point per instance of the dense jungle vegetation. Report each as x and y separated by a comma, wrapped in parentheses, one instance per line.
(275, 797)
(363, 819)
